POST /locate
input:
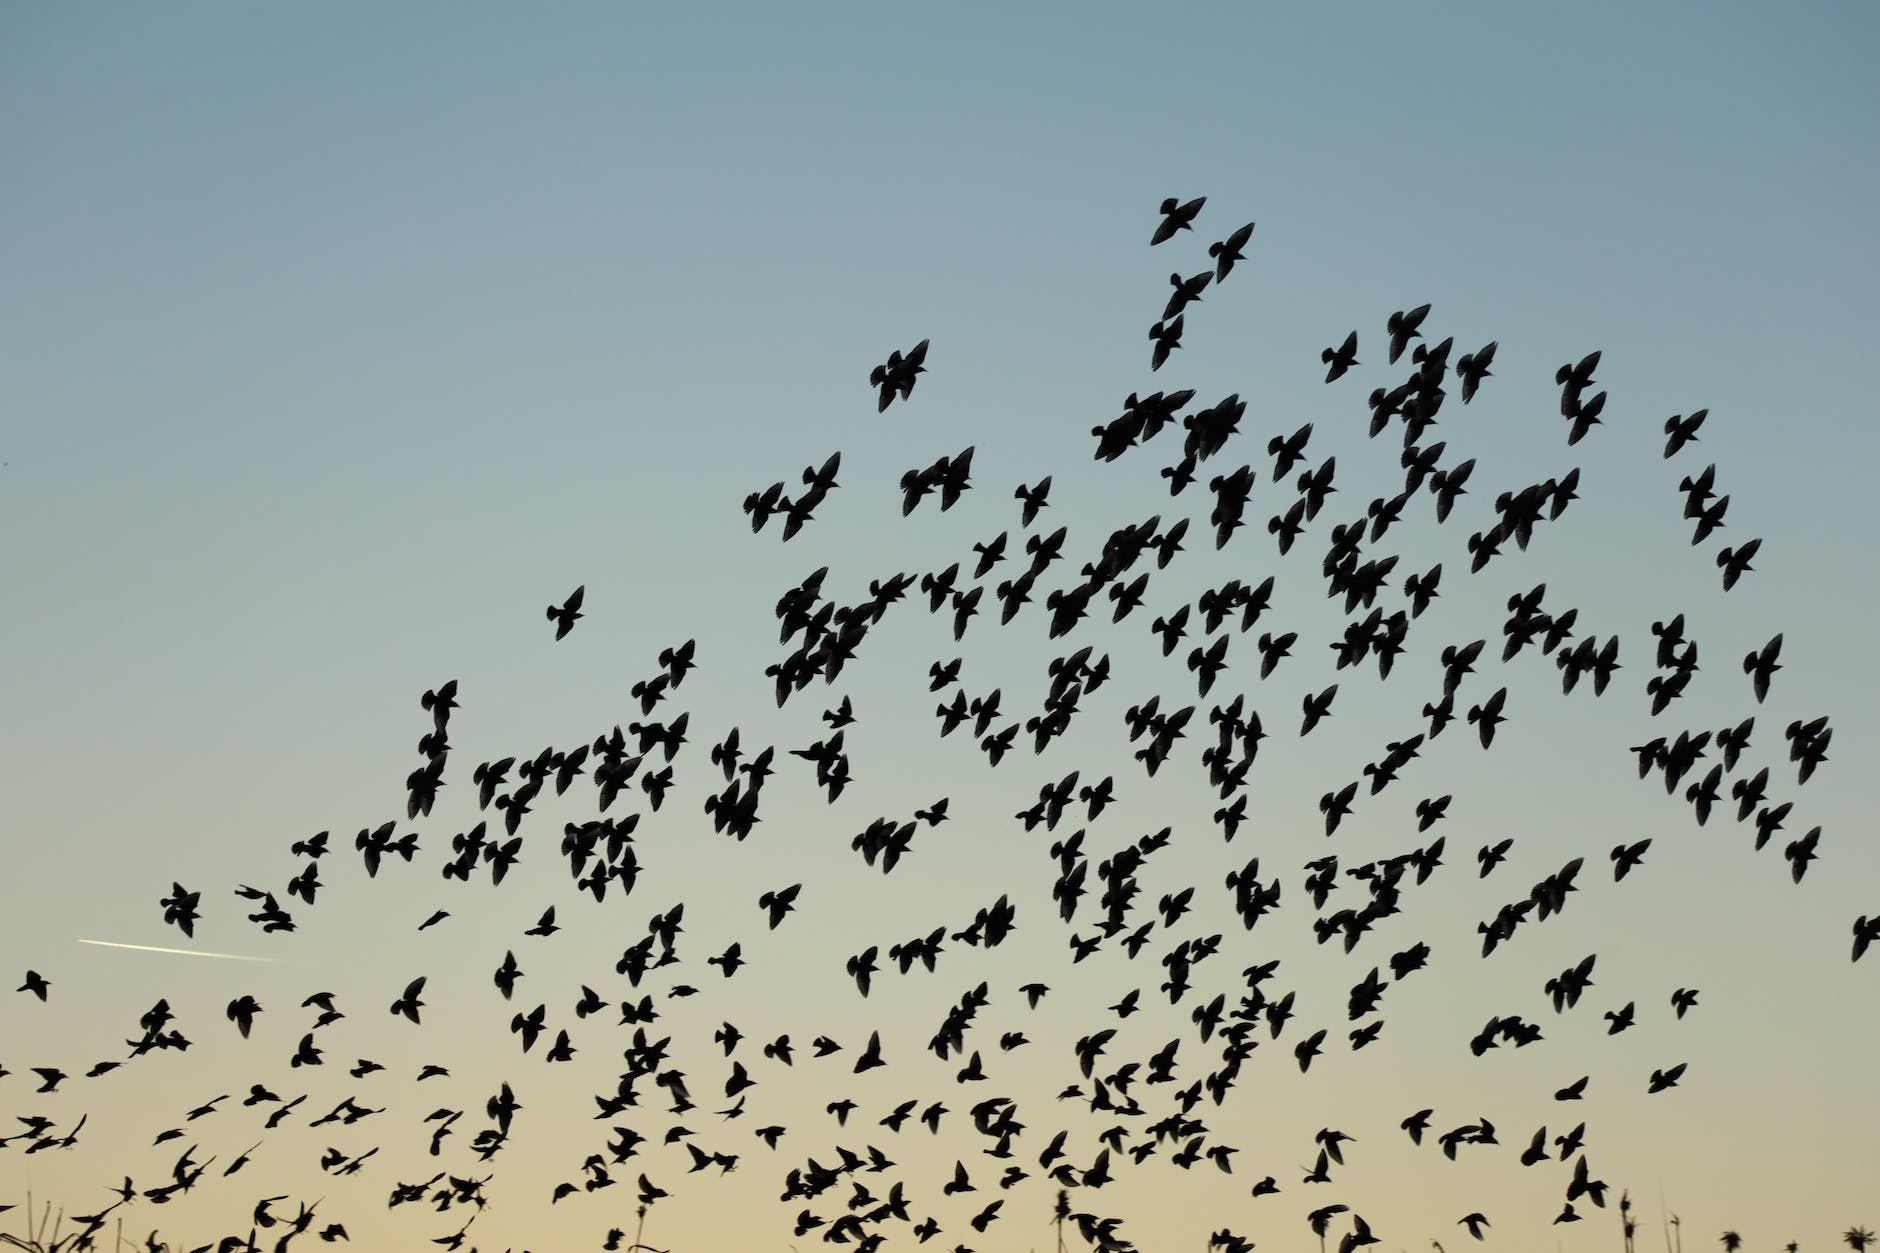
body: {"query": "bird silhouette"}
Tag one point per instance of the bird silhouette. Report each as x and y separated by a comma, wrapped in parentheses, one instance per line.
(1402, 328)
(565, 614)
(895, 377)
(1176, 216)
(1341, 359)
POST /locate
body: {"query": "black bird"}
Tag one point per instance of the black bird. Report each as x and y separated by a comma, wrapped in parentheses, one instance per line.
(1866, 933)
(507, 974)
(313, 846)
(1585, 417)
(1168, 337)
(1307, 1049)
(1680, 430)
(1288, 451)
(1486, 716)
(1734, 562)
(779, 903)
(1033, 499)
(179, 908)
(242, 1011)
(564, 616)
(896, 375)
(1421, 589)
(1761, 665)
(1317, 708)
(759, 506)
(1800, 852)
(408, 1003)
(1624, 857)
(1335, 805)
(1709, 518)
(1492, 855)
(1662, 1079)
(1228, 251)
(1341, 358)
(1176, 217)
(1403, 329)
(678, 662)
(1316, 485)
(728, 961)
(1573, 380)
(1447, 484)
(1187, 291)
(1472, 368)
(1274, 649)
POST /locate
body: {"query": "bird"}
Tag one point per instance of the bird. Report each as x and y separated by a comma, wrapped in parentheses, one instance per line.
(407, 1003)
(1486, 716)
(1866, 933)
(1627, 856)
(896, 376)
(1662, 1079)
(1760, 665)
(241, 1011)
(1680, 430)
(1187, 291)
(778, 903)
(565, 614)
(1339, 360)
(1176, 216)
(1227, 252)
(1734, 562)
(1403, 328)
(1472, 368)
(1167, 336)
(728, 961)
(1032, 499)
(1317, 709)
(1800, 852)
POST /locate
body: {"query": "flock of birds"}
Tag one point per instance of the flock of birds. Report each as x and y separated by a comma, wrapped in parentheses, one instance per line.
(1156, 1104)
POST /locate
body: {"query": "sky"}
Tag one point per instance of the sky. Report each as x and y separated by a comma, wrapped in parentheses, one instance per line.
(344, 340)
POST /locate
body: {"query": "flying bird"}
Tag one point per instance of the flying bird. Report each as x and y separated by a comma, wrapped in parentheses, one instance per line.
(1340, 359)
(1176, 216)
(565, 614)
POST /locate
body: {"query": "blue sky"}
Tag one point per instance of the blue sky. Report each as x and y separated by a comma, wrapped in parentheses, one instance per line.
(343, 340)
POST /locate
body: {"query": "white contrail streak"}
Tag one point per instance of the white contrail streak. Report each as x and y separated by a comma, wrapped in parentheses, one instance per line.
(180, 952)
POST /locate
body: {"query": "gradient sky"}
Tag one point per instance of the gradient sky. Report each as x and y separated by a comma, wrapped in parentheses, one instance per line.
(343, 339)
